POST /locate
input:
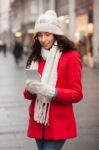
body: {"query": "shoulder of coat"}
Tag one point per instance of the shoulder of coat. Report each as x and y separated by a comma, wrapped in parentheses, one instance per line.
(70, 54)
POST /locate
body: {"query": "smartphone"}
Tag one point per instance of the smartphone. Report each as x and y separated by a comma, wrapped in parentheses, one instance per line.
(32, 74)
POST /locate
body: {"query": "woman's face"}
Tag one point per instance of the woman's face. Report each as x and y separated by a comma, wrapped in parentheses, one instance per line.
(46, 39)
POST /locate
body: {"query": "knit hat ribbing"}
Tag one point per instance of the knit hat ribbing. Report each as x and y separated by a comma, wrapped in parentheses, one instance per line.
(48, 22)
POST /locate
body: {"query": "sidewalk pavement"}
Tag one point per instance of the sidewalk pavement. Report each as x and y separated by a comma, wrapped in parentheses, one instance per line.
(14, 110)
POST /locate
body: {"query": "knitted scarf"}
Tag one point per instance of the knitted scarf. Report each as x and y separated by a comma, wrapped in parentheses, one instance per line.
(49, 76)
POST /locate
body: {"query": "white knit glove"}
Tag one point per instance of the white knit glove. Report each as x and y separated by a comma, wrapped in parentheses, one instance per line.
(35, 87)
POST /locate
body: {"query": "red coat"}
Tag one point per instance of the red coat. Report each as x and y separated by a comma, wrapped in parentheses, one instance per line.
(62, 123)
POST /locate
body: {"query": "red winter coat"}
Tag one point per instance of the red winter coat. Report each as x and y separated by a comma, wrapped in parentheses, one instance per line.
(62, 123)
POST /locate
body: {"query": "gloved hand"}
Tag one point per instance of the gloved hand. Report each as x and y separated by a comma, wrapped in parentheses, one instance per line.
(35, 87)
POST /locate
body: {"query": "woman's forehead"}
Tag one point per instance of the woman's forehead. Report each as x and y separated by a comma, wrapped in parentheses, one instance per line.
(45, 33)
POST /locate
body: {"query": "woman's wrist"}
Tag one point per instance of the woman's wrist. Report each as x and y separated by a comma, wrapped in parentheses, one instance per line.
(30, 93)
(55, 96)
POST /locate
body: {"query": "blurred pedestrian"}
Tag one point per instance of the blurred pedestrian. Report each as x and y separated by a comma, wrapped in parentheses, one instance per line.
(3, 47)
(18, 52)
(51, 116)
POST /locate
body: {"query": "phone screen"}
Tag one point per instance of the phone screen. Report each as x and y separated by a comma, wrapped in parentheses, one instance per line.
(33, 75)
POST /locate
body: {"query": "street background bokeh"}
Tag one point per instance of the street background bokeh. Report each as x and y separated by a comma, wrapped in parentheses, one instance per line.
(79, 19)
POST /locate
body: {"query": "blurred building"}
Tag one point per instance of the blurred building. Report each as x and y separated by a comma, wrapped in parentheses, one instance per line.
(4, 21)
(79, 20)
(24, 14)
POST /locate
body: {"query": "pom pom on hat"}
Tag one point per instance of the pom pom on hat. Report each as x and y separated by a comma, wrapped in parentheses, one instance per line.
(51, 13)
(48, 22)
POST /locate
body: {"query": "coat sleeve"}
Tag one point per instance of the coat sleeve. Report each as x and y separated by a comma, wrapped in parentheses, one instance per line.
(28, 95)
(73, 93)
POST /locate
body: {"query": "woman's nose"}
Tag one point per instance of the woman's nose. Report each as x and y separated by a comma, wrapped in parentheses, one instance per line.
(43, 38)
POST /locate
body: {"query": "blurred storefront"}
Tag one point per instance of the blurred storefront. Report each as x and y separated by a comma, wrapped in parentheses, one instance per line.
(24, 15)
(84, 29)
(84, 18)
(5, 22)
(96, 33)
(79, 19)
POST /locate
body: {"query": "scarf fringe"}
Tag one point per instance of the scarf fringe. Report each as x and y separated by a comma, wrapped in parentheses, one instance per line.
(41, 110)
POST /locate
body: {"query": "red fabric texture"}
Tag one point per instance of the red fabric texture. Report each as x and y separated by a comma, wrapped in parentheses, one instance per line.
(62, 124)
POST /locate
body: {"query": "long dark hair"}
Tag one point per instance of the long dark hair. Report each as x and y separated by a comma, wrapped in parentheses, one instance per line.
(64, 45)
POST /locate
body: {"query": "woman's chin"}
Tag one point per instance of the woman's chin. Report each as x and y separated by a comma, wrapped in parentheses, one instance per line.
(46, 47)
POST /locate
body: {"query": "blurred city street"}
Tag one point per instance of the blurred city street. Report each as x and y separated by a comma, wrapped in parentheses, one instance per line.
(14, 109)
(79, 22)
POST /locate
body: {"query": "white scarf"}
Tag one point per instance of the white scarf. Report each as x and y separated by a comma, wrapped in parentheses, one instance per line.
(49, 76)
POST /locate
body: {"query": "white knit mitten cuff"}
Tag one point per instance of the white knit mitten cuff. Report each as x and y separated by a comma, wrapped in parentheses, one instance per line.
(55, 95)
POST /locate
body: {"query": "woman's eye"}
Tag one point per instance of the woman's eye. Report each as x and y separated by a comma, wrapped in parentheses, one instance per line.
(48, 34)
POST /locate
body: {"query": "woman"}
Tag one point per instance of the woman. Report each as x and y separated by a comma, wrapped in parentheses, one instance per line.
(51, 116)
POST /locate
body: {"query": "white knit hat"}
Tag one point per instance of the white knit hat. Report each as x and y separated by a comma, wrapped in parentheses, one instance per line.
(48, 22)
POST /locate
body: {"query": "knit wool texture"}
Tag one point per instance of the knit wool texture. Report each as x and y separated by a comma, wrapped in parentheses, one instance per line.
(48, 22)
